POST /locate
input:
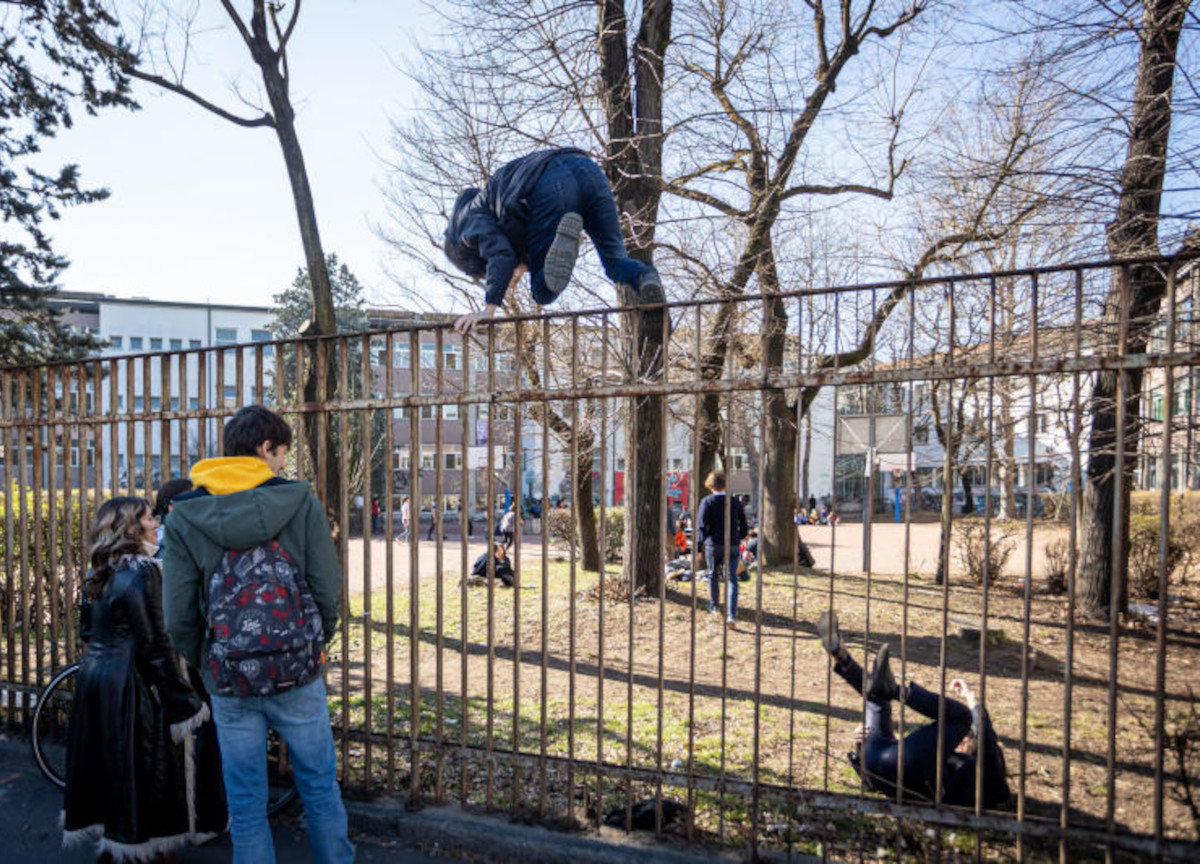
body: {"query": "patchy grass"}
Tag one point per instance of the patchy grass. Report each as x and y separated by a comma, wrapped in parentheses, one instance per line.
(664, 685)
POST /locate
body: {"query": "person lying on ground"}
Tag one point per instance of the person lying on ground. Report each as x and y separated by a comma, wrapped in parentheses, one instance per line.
(528, 218)
(503, 567)
(967, 735)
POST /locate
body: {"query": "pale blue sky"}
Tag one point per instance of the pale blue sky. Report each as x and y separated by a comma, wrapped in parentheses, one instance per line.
(201, 208)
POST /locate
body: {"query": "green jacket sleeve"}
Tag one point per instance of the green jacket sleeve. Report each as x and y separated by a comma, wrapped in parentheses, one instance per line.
(182, 584)
(322, 568)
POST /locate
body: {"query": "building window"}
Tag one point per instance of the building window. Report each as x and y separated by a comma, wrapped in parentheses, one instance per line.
(402, 355)
(428, 457)
(176, 344)
(226, 335)
(135, 343)
(452, 461)
(620, 463)
(1043, 422)
(450, 412)
(138, 403)
(194, 343)
(117, 342)
(921, 434)
(155, 403)
(174, 403)
(400, 460)
(399, 412)
(155, 344)
(262, 336)
(452, 356)
(428, 356)
(737, 459)
(504, 361)
(193, 403)
(676, 464)
(230, 396)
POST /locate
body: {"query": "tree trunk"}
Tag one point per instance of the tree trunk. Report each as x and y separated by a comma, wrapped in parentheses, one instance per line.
(1134, 232)
(634, 169)
(776, 528)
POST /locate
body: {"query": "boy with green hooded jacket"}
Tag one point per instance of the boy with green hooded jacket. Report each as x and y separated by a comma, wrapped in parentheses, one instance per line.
(240, 503)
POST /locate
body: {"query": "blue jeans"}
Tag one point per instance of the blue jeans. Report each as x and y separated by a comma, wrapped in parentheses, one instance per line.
(301, 717)
(575, 184)
(720, 562)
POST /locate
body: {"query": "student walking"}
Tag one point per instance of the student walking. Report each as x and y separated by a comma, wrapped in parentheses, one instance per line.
(528, 218)
(508, 525)
(720, 552)
(405, 519)
(251, 591)
(133, 713)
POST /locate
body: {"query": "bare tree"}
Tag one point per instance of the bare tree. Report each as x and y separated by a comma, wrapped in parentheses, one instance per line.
(158, 53)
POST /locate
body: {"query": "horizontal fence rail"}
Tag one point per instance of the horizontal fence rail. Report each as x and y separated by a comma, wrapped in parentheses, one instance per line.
(939, 447)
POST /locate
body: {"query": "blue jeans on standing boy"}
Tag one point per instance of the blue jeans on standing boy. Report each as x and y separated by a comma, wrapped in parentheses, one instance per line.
(301, 717)
(720, 563)
(576, 184)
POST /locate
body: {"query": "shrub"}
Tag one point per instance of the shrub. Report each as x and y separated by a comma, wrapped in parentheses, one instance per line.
(972, 550)
(560, 525)
(614, 533)
(1183, 551)
(38, 537)
(1057, 561)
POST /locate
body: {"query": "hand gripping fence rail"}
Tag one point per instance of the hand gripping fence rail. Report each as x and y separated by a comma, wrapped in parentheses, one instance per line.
(949, 447)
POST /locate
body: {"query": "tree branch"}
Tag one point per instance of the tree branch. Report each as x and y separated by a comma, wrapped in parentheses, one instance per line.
(158, 80)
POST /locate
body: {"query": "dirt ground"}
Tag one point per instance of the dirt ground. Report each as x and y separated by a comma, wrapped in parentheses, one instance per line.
(666, 686)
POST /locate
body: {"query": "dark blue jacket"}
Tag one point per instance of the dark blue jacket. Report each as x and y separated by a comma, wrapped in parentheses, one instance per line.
(711, 520)
(487, 231)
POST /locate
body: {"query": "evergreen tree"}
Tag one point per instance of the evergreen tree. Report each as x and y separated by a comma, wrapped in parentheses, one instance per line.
(47, 70)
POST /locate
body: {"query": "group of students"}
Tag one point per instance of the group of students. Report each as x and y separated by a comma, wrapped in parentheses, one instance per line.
(207, 614)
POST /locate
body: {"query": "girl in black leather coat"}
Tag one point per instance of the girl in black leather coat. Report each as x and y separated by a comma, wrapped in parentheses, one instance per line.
(133, 712)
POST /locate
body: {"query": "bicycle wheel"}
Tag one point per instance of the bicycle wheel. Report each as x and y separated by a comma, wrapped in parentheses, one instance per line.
(50, 718)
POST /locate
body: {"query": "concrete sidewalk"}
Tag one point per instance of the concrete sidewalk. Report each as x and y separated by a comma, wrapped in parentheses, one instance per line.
(29, 808)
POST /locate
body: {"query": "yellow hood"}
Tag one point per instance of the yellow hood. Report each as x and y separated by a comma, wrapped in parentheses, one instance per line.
(230, 474)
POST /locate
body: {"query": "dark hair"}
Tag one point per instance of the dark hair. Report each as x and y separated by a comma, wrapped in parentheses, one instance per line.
(253, 425)
(167, 492)
(116, 535)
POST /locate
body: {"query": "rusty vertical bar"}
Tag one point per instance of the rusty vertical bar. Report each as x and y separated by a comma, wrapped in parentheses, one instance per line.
(24, 387)
(49, 580)
(72, 411)
(1164, 567)
(493, 407)
(147, 426)
(797, 484)
(947, 527)
(260, 394)
(438, 517)
(185, 406)
(575, 468)
(693, 510)
(1118, 556)
(131, 398)
(367, 418)
(12, 487)
(202, 362)
(544, 509)
(165, 425)
(910, 467)
(464, 642)
(768, 370)
(600, 633)
(665, 531)
(1031, 459)
(294, 392)
(519, 509)
(219, 359)
(990, 450)
(389, 557)
(341, 393)
(833, 502)
(1072, 570)
(715, 592)
(631, 504)
(414, 573)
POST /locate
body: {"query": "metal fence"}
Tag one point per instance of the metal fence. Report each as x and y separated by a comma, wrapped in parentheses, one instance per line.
(572, 698)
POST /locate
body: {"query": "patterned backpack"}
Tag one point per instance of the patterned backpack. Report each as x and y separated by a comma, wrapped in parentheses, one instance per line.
(264, 628)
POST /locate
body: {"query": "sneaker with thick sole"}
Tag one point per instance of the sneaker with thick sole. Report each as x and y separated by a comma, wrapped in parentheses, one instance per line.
(882, 686)
(563, 252)
(831, 637)
(650, 293)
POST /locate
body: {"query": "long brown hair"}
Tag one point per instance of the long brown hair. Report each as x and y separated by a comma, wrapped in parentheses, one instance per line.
(116, 535)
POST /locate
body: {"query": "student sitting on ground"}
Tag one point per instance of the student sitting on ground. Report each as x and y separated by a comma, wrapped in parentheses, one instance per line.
(681, 539)
(503, 568)
(876, 751)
